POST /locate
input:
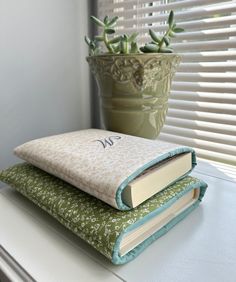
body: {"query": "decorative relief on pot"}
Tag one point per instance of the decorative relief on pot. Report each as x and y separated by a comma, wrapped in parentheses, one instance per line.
(142, 72)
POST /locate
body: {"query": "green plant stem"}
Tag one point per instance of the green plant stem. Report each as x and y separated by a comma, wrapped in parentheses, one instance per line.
(109, 48)
(127, 48)
(162, 40)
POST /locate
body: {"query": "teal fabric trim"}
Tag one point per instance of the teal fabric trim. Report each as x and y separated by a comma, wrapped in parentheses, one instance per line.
(117, 259)
(120, 204)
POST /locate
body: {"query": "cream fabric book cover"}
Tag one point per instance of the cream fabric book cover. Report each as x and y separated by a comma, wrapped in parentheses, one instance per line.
(99, 162)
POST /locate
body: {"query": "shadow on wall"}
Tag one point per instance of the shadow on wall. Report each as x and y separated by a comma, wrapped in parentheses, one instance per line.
(44, 77)
(95, 102)
(95, 105)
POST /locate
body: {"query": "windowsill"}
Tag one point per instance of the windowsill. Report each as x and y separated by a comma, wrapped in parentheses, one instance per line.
(216, 169)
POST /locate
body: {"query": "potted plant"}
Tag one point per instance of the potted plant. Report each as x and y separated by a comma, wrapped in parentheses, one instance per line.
(134, 82)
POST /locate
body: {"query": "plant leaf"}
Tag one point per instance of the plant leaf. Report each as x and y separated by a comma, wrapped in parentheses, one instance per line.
(133, 36)
(178, 29)
(134, 47)
(109, 31)
(166, 50)
(154, 36)
(171, 34)
(96, 51)
(114, 40)
(166, 40)
(116, 48)
(92, 45)
(151, 48)
(153, 42)
(87, 40)
(97, 21)
(171, 18)
(112, 22)
(142, 49)
(125, 37)
(123, 47)
(106, 20)
(99, 38)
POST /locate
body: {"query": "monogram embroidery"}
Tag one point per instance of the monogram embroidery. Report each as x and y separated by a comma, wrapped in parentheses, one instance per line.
(108, 141)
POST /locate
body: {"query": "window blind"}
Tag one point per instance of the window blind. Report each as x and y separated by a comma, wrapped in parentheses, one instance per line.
(202, 104)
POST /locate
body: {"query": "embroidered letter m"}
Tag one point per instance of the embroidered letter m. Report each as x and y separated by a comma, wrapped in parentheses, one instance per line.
(109, 141)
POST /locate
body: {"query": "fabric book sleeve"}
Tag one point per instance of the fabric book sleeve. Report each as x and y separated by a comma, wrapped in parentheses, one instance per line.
(103, 227)
(100, 162)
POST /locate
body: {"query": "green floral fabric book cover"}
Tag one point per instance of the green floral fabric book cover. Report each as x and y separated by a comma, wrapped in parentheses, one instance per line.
(102, 226)
(100, 162)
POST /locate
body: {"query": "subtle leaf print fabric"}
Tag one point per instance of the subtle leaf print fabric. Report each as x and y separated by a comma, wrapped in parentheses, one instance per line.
(91, 219)
(97, 161)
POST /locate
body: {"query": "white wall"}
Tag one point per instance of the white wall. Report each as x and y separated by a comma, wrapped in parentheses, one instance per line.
(44, 82)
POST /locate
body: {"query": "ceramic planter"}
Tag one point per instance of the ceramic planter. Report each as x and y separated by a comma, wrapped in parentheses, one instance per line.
(134, 90)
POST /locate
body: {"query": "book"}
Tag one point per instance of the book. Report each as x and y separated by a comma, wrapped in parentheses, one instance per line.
(119, 169)
(118, 235)
(154, 179)
(133, 238)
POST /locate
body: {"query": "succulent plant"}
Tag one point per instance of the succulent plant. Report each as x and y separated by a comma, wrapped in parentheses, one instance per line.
(108, 29)
(122, 44)
(126, 44)
(93, 46)
(162, 44)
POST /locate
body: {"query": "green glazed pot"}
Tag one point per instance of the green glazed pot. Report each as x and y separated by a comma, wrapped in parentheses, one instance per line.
(134, 90)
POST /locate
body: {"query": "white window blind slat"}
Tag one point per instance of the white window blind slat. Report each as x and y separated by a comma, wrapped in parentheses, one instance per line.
(199, 24)
(107, 4)
(202, 125)
(202, 116)
(205, 45)
(207, 86)
(207, 11)
(206, 76)
(215, 156)
(204, 149)
(209, 56)
(199, 143)
(203, 135)
(202, 104)
(203, 97)
(207, 67)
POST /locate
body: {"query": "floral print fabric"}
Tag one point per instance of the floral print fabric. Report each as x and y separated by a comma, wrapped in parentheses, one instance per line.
(91, 219)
